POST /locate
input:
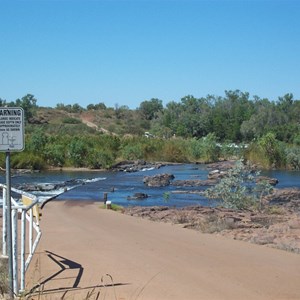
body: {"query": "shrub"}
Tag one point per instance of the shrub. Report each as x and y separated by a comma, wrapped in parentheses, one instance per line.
(272, 149)
(55, 155)
(37, 141)
(174, 151)
(100, 159)
(238, 190)
(152, 148)
(78, 152)
(194, 149)
(296, 140)
(293, 157)
(25, 160)
(210, 150)
(70, 120)
(132, 152)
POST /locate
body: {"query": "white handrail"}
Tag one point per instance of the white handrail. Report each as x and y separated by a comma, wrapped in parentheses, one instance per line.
(26, 215)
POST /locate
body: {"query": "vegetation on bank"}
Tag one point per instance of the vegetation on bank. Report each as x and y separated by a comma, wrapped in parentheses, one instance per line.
(240, 189)
(191, 130)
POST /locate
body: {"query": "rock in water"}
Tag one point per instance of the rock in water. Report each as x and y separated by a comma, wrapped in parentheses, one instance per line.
(137, 196)
(158, 180)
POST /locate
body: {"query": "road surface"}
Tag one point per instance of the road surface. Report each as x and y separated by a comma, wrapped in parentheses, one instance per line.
(92, 253)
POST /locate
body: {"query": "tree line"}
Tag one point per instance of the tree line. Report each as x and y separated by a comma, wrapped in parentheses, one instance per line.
(192, 129)
(234, 117)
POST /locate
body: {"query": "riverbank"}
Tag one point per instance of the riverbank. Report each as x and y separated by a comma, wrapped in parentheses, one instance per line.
(124, 166)
(88, 251)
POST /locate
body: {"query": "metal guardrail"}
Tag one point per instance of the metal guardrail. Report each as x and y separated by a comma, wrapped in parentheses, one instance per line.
(30, 214)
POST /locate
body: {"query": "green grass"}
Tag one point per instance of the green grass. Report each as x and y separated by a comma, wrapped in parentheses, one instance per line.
(114, 207)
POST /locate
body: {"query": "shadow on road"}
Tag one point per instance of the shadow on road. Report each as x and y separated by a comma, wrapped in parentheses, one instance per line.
(66, 264)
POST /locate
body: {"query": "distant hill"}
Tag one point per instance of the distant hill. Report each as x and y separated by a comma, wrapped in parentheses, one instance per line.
(107, 121)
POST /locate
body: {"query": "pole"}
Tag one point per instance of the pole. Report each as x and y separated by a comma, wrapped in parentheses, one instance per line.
(4, 226)
(9, 226)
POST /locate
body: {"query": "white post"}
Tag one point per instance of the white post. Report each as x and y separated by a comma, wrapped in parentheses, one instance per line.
(23, 245)
(30, 230)
(4, 226)
(15, 249)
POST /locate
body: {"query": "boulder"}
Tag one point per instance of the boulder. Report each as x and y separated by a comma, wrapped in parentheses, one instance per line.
(222, 165)
(271, 181)
(135, 166)
(137, 196)
(283, 196)
(216, 174)
(158, 180)
(194, 182)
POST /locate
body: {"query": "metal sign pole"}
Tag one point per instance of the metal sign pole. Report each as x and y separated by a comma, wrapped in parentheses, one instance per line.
(11, 139)
(9, 225)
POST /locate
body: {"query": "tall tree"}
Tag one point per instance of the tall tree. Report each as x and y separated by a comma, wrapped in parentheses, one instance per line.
(149, 109)
(28, 103)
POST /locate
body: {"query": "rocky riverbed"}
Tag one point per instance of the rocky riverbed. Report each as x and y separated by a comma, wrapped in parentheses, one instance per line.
(276, 225)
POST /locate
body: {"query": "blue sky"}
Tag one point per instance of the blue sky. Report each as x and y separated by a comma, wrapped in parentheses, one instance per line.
(125, 52)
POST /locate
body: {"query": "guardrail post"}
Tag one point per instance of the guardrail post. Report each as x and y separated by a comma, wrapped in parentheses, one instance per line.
(23, 245)
(30, 231)
(15, 249)
(4, 223)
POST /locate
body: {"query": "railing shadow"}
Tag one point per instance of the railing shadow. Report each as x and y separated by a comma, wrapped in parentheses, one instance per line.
(67, 264)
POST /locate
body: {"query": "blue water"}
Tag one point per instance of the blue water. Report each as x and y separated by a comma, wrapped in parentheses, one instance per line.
(120, 185)
(287, 179)
(125, 185)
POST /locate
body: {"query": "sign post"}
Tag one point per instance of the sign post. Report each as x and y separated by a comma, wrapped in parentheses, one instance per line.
(11, 139)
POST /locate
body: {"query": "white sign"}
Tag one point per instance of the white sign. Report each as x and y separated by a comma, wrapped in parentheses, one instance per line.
(11, 129)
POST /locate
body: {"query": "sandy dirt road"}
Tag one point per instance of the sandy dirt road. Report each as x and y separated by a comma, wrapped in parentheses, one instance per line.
(91, 253)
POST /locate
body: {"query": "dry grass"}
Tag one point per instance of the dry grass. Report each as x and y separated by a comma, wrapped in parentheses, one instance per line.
(4, 286)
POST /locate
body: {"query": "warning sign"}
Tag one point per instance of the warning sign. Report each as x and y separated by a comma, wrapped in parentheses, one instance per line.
(11, 129)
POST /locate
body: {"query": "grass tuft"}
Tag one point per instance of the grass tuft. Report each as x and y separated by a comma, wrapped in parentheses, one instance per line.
(114, 207)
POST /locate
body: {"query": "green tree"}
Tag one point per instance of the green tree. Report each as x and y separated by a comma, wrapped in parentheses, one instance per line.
(229, 113)
(37, 141)
(195, 116)
(76, 108)
(121, 111)
(2, 102)
(78, 151)
(99, 106)
(285, 103)
(149, 109)
(28, 103)
(55, 155)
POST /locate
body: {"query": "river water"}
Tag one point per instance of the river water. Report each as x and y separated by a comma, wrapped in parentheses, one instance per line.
(91, 185)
